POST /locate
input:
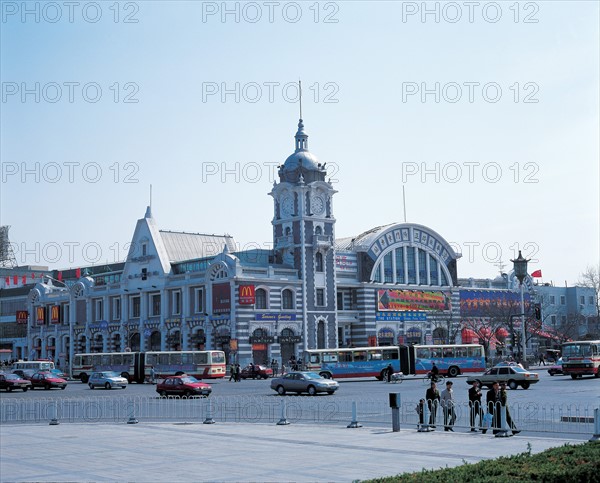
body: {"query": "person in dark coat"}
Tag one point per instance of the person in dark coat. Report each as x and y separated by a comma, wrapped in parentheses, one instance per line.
(475, 408)
(504, 403)
(432, 396)
(493, 400)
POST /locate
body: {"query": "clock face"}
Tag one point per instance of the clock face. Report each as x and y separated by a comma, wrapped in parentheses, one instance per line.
(287, 205)
(317, 205)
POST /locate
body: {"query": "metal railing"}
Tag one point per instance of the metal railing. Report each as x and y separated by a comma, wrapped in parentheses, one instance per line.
(528, 417)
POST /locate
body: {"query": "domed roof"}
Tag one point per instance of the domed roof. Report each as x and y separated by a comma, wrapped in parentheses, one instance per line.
(302, 164)
(303, 158)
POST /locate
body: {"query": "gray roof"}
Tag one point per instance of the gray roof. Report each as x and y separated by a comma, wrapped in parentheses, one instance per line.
(182, 246)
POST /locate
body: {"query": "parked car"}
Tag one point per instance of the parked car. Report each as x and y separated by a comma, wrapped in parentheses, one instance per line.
(185, 385)
(24, 373)
(556, 368)
(256, 371)
(59, 373)
(12, 381)
(303, 381)
(47, 380)
(107, 380)
(514, 376)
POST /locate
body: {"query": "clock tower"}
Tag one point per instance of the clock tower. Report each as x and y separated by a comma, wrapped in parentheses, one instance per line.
(303, 238)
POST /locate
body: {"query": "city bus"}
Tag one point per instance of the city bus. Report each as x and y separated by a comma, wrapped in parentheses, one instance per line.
(581, 358)
(137, 366)
(33, 365)
(450, 359)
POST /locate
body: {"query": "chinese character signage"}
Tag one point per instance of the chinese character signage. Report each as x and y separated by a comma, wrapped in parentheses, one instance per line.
(247, 295)
(413, 300)
(401, 316)
(221, 298)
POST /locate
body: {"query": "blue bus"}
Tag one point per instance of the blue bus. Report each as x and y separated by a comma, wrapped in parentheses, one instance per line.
(450, 359)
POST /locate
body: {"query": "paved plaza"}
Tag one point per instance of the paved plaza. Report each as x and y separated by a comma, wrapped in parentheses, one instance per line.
(238, 452)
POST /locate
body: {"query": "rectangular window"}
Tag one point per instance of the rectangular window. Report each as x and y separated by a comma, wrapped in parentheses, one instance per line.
(399, 265)
(411, 265)
(552, 300)
(64, 313)
(198, 301)
(563, 300)
(433, 270)
(591, 300)
(422, 267)
(155, 304)
(340, 300)
(176, 302)
(582, 299)
(98, 309)
(553, 319)
(135, 306)
(563, 319)
(320, 297)
(388, 273)
(116, 308)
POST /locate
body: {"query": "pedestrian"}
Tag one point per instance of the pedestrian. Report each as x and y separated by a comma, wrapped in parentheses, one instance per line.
(504, 403)
(493, 401)
(433, 374)
(475, 408)
(282, 369)
(542, 359)
(152, 375)
(421, 411)
(275, 367)
(432, 396)
(237, 373)
(389, 370)
(232, 372)
(447, 399)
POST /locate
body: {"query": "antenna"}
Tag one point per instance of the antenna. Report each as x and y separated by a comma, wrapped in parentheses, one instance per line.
(150, 197)
(300, 90)
(404, 202)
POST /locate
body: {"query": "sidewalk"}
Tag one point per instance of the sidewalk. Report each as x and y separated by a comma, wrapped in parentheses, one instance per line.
(238, 452)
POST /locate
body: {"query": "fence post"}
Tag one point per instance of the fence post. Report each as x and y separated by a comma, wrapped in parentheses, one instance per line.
(596, 436)
(395, 405)
(424, 426)
(283, 421)
(54, 420)
(132, 419)
(503, 426)
(209, 417)
(354, 423)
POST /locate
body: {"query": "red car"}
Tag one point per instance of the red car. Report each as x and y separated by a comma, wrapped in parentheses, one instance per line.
(47, 380)
(12, 381)
(255, 371)
(185, 385)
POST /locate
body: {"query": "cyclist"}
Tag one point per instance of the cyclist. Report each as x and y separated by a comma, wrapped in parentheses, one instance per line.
(434, 373)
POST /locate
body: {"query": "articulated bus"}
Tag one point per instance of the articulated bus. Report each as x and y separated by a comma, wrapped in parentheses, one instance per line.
(33, 365)
(581, 358)
(137, 366)
(451, 359)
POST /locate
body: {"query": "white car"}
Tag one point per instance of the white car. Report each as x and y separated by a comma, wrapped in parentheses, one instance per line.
(107, 380)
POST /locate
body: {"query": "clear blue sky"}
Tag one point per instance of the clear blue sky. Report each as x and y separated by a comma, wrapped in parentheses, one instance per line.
(487, 173)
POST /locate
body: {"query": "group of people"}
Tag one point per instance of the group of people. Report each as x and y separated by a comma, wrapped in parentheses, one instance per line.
(234, 372)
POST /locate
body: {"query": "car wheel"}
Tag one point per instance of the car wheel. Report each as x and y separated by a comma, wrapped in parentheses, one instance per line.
(123, 387)
(311, 390)
(265, 376)
(25, 389)
(573, 376)
(9, 389)
(162, 393)
(453, 371)
(525, 385)
(187, 394)
(280, 390)
(512, 384)
(107, 386)
(91, 385)
(325, 375)
(330, 392)
(126, 376)
(64, 387)
(551, 373)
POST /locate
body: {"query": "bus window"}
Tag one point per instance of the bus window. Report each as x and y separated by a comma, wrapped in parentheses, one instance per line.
(422, 353)
(128, 359)
(106, 359)
(390, 354)
(163, 359)
(117, 359)
(202, 357)
(150, 359)
(460, 352)
(96, 360)
(449, 352)
(374, 355)
(187, 358)
(360, 356)
(86, 360)
(330, 357)
(345, 356)
(474, 351)
(217, 357)
(314, 359)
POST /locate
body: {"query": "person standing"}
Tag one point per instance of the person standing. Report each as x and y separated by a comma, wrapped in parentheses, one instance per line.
(493, 401)
(447, 399)
(433, 374)
(238, 371)
(432, 396)
(475, 408)
(389, 370)
(232, 372)
(152, 375)
(504, 403)
(275, 367)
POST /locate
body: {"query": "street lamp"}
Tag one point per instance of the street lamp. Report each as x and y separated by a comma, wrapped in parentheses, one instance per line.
(520, 268)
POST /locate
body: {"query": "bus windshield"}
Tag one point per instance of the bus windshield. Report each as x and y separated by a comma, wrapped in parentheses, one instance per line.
(577, 350)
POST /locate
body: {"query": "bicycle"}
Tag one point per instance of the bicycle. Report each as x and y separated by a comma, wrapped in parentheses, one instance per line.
(397, 378)
(429, 378)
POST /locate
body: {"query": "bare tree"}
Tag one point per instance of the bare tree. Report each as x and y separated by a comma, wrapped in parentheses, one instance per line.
(590, 278)
(447, 323)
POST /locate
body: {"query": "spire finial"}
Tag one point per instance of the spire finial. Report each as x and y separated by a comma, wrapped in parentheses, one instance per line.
(300, 91)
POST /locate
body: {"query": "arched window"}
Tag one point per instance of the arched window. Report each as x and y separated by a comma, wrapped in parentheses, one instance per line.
(287, 299)
(319, 262)
(321, 335)
(260, 298)
(288, 231)
(318, 230)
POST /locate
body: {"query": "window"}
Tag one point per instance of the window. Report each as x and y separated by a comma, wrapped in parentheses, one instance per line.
(319, 262)
(563, 300)
(116, 308)
(260, 299)
(287, 299)
(320, 297)
(553, 319)
(198, 301)
(552, 300)
(399, 265)
(135, 306)
(433, 270)
(318, 230)
(388, 273)
(340, 300)
(155, 304)
(422, 267)
(563, 319)
(98, 309)
(591, 300)
(144, 249)
(411, 265)
(582, 299)
(176, 302)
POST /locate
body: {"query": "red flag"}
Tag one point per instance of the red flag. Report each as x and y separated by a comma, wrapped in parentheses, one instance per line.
(78, 272)
(537, 274)
(16, 279)
(59, 276)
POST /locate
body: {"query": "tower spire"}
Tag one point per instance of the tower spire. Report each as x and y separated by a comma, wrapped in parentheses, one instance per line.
(300, 91)
(301, 136)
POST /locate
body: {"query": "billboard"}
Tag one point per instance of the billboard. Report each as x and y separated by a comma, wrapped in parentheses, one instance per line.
(221, 298)
(490, 303)
(399, 300)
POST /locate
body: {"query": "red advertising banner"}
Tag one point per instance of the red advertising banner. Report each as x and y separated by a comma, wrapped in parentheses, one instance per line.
(221, 298)
(372, 341)
(247, 296)
(22, 316)
(40, 315)
(55, 314)
(413, 300)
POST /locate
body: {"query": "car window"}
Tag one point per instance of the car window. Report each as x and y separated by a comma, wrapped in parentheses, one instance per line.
(505, 370)
(169, 382)
(518, 369)
(493, 371)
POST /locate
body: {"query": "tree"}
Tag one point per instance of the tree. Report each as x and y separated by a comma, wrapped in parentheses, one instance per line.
(448, 325)
(590, 278)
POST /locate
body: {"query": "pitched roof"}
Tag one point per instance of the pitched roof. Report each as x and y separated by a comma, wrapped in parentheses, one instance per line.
(182, 246)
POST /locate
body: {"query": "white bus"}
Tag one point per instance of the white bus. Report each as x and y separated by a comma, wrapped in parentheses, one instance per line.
(33, 365)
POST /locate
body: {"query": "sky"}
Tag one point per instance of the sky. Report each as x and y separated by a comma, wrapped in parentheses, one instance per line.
(487, 115)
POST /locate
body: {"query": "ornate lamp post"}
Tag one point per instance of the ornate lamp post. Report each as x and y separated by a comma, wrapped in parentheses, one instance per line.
(520, 268)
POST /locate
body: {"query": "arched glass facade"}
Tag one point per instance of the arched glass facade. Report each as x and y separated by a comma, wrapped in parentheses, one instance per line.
(410, 266)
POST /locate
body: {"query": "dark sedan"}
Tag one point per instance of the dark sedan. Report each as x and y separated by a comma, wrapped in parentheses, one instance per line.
(13, 381)
(185, 386)
(47, 380)
(256, 371)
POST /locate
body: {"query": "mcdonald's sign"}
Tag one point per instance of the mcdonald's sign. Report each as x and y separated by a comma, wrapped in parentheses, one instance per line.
(55, 314)
(247, 295)
(22, 316)
(40, 313)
